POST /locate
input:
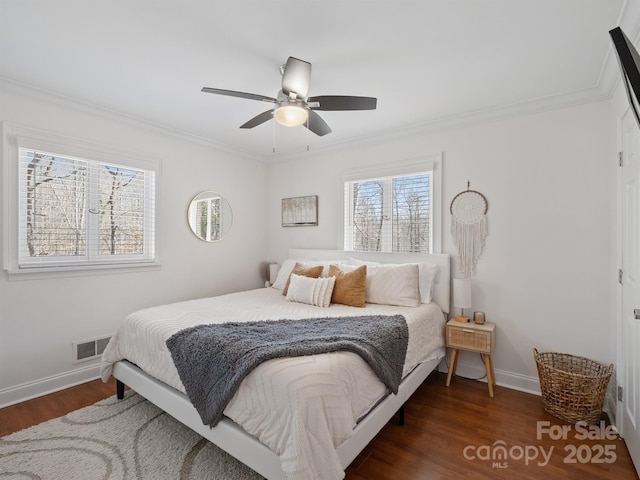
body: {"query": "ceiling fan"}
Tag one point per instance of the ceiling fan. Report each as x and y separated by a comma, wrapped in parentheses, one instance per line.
(292, 107)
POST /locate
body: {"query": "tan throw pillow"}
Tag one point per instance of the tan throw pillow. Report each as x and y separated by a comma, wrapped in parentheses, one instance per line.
(350, 287)
(311, 272)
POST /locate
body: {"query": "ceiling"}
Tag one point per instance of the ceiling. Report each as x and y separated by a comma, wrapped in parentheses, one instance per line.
(429, 63)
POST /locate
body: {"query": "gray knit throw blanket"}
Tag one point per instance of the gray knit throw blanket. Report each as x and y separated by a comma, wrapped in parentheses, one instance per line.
(212, 360)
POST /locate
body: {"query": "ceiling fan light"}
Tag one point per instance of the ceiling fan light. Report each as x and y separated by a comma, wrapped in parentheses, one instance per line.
(291, 115)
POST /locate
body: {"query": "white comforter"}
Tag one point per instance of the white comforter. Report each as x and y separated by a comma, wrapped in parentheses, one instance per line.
(302, 408)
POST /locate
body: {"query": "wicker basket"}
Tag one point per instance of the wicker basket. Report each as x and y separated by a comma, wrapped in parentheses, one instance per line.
(573, 388)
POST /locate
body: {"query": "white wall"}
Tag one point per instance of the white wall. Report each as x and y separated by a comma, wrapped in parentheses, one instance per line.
(545, 275)
(39, 319)
(546, 272)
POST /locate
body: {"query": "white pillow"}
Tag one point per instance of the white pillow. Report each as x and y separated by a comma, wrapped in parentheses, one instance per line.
(427, 274)
(392, 284)
(312, 291)
(346, 267)
(283, 274)
(358, 262)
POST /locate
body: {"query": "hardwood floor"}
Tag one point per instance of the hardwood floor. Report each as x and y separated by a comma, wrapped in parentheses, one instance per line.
(449, 433)
(452, 433)
(22, 415)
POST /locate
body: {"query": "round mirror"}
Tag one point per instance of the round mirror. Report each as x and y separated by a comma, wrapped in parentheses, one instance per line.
(209, 216)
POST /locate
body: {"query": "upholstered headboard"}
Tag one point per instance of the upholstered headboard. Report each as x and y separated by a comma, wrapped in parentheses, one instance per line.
(441, 289)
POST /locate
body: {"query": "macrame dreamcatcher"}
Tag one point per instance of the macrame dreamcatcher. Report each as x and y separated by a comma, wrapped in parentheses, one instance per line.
(469, 227)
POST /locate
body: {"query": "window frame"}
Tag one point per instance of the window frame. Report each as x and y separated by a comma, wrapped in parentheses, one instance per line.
(15, 137)
(429, 163)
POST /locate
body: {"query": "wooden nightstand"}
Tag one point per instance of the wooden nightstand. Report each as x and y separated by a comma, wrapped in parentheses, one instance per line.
(473, 338)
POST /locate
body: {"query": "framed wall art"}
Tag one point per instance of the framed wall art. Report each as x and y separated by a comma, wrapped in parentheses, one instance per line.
(300, 211)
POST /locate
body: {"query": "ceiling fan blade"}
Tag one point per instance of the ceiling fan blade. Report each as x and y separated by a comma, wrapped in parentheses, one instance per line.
(317, 125)
(258, 119)
(231, 93)
(342, 102)
(296, 77)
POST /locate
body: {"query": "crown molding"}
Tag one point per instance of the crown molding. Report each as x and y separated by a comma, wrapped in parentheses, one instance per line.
(608, 80)
(20, 88)
(604, 89)
(629, 20)
(554, 102)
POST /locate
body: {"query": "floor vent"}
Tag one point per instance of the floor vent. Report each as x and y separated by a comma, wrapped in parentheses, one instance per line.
(89, 349)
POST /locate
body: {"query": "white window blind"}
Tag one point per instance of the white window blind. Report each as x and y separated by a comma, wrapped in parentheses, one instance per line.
(393, 207)
(79, 211)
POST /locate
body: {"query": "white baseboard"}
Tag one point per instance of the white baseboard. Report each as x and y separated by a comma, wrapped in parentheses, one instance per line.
(44, 386)
(514, 381)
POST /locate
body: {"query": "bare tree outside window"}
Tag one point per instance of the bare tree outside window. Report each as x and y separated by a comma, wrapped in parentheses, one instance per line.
(76, 208)
(55, 206)
(390, 214)
(121, 211)
(368, 217)
(411, 212)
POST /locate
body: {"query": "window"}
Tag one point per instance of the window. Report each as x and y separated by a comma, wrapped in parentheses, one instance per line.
(77, 209)
(393, 209)
(206, 217)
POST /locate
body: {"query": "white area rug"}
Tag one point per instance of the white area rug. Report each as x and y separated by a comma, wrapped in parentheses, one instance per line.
(116, 440)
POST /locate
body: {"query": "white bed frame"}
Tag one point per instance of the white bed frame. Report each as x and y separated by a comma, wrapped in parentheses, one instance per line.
(234, 440)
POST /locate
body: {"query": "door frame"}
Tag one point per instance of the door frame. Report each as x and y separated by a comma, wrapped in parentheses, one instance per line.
(618, 342)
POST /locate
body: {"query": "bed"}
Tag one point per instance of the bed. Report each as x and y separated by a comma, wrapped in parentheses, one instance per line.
(336, 404)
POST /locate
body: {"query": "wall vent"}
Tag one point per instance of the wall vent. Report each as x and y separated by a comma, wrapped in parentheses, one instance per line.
(89, 349)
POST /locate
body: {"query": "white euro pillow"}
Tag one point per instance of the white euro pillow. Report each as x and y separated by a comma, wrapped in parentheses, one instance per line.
(393, 284)
(427, 275)
(283, 274)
